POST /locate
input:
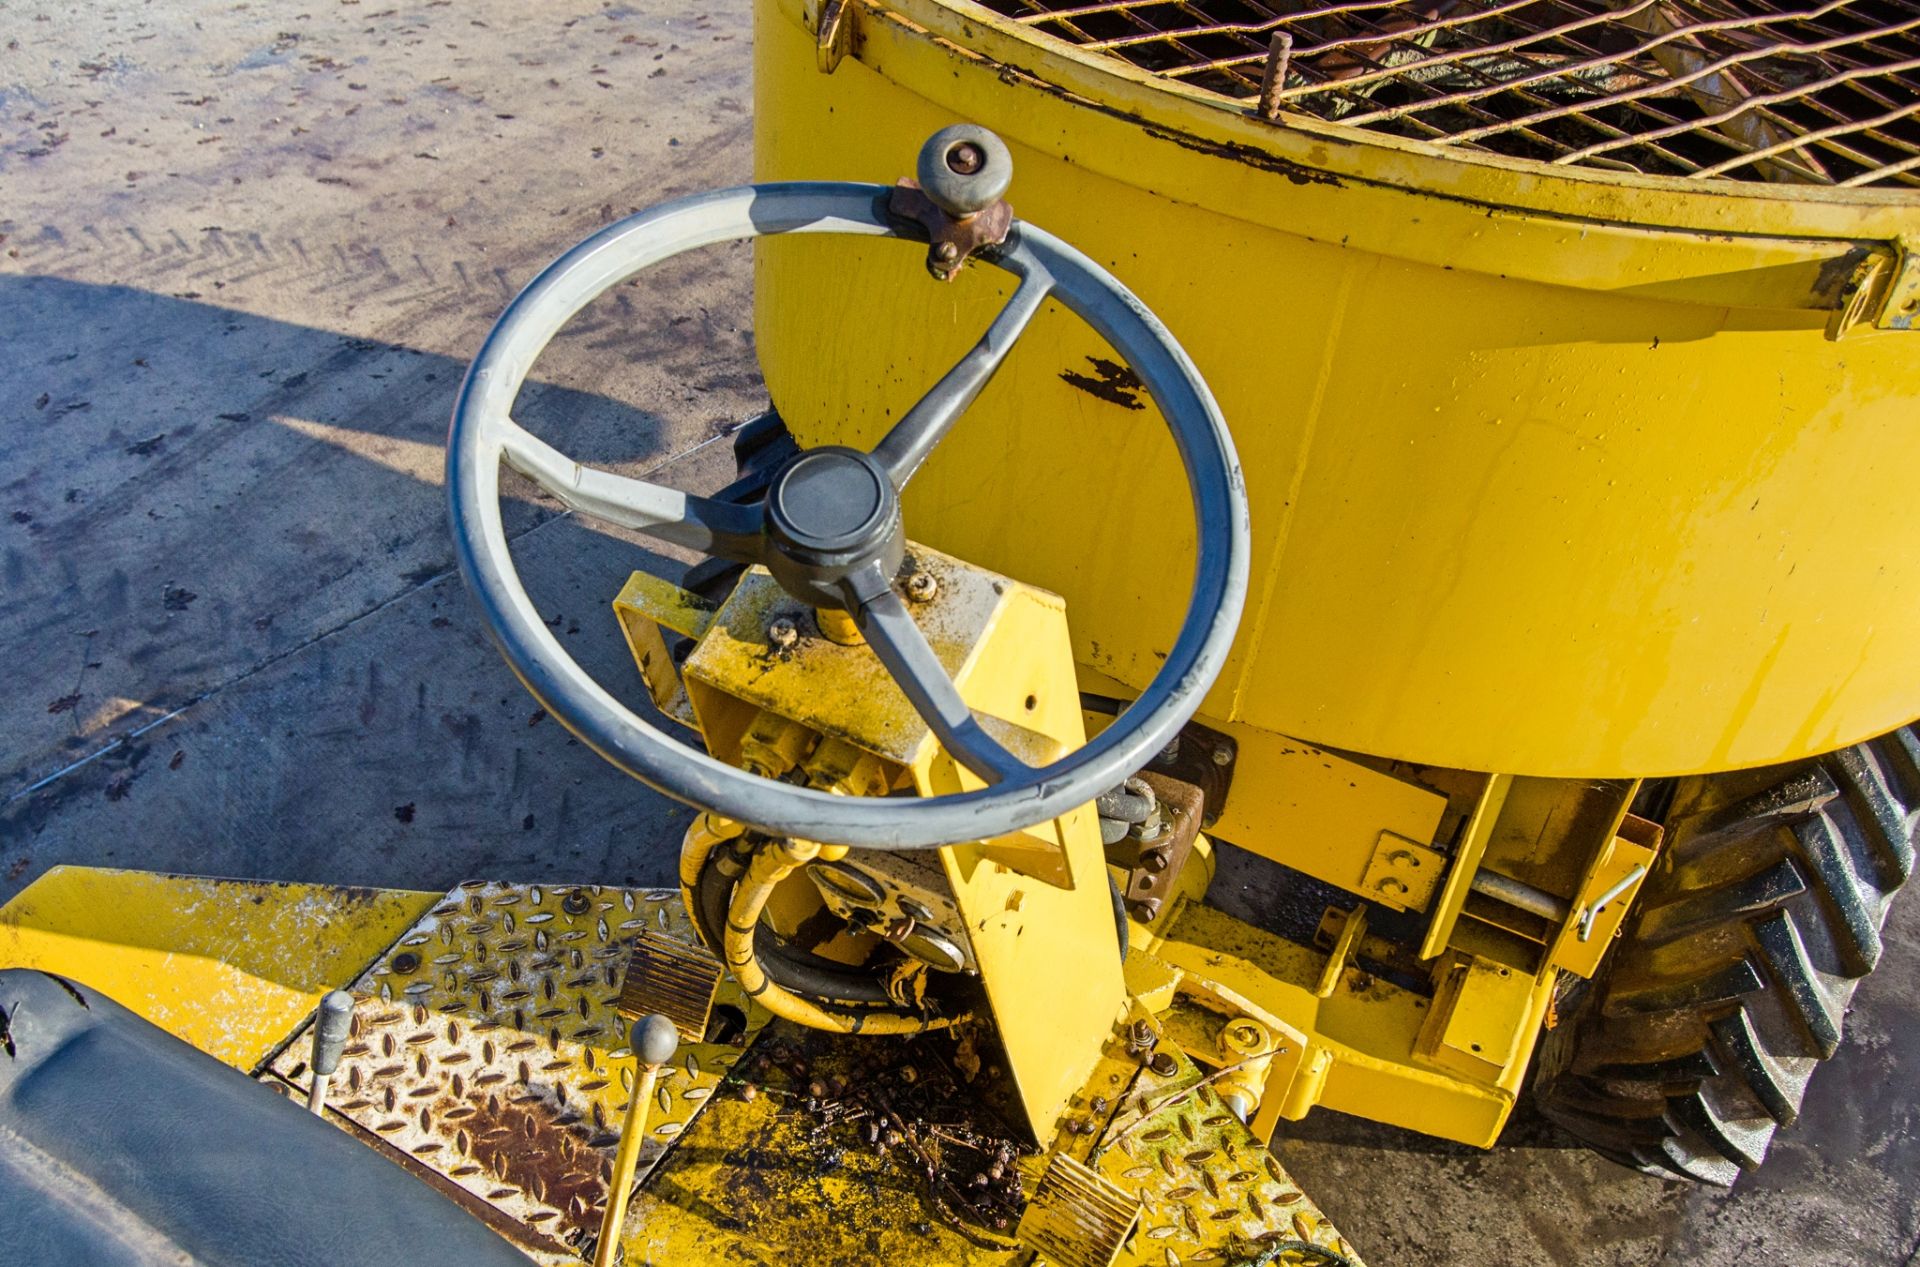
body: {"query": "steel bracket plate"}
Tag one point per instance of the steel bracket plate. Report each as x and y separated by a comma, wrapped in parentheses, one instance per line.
(1901, 308)
(1483, 1012)
(1883, 289)
(645, 606)
(1402, 873)
(1618, 869)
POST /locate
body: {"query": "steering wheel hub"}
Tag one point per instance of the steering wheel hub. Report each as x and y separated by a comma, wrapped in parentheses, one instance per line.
(830, 512)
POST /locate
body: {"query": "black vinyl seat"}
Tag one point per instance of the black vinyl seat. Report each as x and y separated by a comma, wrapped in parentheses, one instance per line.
(120, 1144)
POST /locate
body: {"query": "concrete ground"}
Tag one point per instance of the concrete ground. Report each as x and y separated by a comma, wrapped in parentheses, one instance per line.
(245, 251)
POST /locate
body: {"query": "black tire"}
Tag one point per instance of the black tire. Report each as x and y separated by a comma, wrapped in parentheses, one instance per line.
(1695, 1041)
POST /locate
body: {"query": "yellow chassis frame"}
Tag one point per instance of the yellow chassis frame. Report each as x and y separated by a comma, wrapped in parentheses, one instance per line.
(1335, 1030)
(235, 967)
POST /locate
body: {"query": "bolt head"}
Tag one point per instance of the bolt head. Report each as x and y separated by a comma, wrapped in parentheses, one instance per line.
(783, 633)
(921, 587)
(966, 158)
(946, 252)
(1163, 1064)
(1243, 1036)
(1223, 755)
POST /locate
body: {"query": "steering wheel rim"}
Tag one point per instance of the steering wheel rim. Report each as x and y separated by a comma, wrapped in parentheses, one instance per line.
(483, 435)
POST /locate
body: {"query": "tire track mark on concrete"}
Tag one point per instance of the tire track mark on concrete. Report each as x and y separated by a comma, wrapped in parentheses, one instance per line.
(271, 661)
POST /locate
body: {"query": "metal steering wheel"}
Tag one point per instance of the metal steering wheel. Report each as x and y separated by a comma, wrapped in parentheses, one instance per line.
(829, 528)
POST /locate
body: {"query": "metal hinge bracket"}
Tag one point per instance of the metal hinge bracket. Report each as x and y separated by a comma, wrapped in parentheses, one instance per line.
(832, 32)
(1884, 290)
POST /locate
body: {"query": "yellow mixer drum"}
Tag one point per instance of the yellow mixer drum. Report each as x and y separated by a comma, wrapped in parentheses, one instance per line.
(1568, 346)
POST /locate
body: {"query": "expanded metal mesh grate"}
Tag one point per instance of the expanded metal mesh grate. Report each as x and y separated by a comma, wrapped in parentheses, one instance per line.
(1822, 93)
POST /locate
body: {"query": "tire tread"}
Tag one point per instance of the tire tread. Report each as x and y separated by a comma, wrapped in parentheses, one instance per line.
(1695, 1042)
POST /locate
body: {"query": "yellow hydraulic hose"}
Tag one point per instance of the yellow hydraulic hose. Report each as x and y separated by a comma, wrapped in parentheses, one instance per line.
(774, 863)
(706, 833)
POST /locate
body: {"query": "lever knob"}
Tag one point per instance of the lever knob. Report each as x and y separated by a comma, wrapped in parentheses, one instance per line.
(655, 1040)
(330, 1031)
(964, 169)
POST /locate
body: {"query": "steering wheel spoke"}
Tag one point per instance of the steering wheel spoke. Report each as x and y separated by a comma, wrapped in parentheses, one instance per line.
(723, 529)
(891, 632)
(914, 437)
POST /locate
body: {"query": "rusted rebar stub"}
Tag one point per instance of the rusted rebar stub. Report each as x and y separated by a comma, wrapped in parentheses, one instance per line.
(1274, 78)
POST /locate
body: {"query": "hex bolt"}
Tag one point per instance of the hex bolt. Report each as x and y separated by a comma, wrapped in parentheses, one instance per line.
(1154, 861)
(946, 252)
(966, 158)
(1244, 1037)
(922, 587)
(1223, 755)
(783, 633)
(1163, 1064)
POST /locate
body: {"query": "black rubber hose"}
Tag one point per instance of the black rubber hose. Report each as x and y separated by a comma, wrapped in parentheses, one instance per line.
(835, 988)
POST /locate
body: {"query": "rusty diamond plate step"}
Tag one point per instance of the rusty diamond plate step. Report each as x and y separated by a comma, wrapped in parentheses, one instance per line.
(487, 1045)
(1208, 1191)
(836, 1149)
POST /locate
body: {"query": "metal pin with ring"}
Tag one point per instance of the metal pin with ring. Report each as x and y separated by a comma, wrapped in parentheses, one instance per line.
(1589, 914)
(653, 1040)
(329, 1040)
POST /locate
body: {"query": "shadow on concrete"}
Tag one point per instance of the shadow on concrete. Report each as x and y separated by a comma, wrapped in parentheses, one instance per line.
(230, 604)
(170, 460)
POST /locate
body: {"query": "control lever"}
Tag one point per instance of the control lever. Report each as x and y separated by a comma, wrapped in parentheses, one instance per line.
(654, 1040)
(329, 1040)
